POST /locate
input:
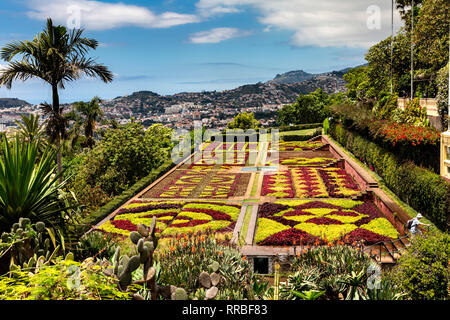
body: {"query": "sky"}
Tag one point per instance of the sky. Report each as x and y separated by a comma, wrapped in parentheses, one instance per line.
(171, 46)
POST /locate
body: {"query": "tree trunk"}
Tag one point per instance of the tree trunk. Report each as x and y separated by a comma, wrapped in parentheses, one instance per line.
(55, 105)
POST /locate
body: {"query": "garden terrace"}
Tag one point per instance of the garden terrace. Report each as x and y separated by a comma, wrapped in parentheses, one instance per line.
(310, 196)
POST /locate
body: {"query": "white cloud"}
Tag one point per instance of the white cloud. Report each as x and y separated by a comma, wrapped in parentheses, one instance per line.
(96, 15)
(217, 35)
(323, 23)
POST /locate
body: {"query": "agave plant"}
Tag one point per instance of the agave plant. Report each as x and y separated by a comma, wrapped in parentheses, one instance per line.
(309, 295)
(28, 184)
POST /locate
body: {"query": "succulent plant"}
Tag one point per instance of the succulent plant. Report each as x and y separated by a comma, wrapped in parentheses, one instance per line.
(146, 242)
(180, 294)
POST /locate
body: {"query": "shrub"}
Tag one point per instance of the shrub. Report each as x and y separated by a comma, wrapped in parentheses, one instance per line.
(412, 140)
(422, 189)
(65, 280)
(123, 156)
(422, 272)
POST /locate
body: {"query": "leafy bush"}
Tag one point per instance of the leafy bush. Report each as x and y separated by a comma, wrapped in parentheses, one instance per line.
(339, 272)
(123, 156)
(62, 281)
(244, 121)
(29, 186)
(422, 272)
(96, 244)
(416, 143)
(423, 190)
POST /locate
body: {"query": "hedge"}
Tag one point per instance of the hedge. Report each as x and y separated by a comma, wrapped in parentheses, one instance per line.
(118, 201)
(301, 137)
(300, 127)
(422, 189)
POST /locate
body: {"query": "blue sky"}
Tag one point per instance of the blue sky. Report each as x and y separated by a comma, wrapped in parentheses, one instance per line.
(171, 46)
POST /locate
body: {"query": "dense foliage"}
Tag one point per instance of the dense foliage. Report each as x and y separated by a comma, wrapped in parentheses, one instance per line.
(309, 108)
(410, 142)
(120, 159)
(339, 272)
(423, 190)
(423, 272)
(244, 121)
(29, 184)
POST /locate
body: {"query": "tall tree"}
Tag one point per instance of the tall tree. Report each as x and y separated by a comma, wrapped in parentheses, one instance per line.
(91, 113)
(56, 56)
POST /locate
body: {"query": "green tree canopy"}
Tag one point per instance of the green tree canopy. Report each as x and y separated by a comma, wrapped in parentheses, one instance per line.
(309, 108)
(244, 121)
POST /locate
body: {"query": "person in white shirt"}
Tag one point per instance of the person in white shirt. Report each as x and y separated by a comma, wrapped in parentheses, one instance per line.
(415, 225)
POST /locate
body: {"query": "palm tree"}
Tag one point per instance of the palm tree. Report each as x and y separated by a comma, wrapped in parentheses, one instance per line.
(56, 56)
(31, 130)
(91, 112)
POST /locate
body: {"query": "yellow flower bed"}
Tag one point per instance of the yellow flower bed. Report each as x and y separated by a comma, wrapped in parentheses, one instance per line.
(331, 232)
(381, 226)
(267, 227)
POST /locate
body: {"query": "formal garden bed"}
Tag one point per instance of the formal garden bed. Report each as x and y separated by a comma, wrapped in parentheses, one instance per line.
(173, 217)
(200, 182)
(295, 145)
(308, 182)
(309, 222)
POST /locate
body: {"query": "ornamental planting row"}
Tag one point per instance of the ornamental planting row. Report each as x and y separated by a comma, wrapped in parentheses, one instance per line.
(174, 217)
(309, 183)
(230, 146)
(292, 161)
(202, 183)
(296, 145)
(309, 222)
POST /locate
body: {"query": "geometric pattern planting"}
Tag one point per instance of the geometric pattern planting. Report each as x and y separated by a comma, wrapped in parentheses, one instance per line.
(174, 217)
(311, 182)
(319, 222)
(297, 145)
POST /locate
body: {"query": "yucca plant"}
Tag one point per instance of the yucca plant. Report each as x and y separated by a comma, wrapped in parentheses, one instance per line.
(28, 184)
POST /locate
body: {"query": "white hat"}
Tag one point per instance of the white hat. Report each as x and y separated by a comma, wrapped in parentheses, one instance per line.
(419, 216)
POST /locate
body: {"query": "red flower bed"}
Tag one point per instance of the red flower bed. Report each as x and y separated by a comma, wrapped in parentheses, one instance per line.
(191, 223)
(368, 236)
(344, 213)
(289, 237)
(317, 204)
(369, 209)
(124, 224)
(286, 222)
(267, 209)
(324, 220)
(297, 213)
(216, 215)
(408, 134)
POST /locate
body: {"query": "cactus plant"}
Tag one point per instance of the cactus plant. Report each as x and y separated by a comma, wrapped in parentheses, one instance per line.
(146, 242)
(180, 294)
